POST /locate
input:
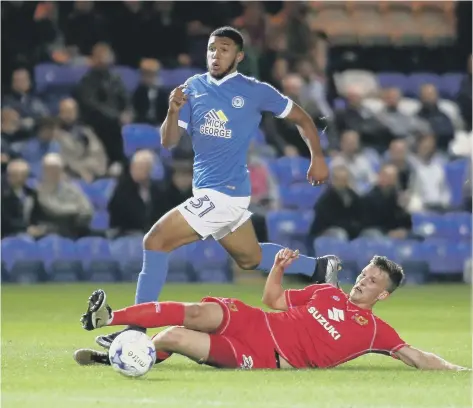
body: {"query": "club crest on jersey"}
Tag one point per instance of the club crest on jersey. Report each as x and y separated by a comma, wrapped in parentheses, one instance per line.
(238, 102)
(215, 122)
(361, 320)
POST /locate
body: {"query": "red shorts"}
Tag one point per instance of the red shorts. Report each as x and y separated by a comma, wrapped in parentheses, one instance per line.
(245, 329)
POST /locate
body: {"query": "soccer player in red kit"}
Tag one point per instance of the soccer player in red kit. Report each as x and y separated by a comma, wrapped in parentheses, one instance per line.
(317, 327)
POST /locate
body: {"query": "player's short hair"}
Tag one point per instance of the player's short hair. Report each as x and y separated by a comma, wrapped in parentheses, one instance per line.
(231, 33)
(394, 271)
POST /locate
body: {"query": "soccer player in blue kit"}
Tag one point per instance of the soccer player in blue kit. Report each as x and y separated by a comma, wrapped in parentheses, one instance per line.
(221, 110)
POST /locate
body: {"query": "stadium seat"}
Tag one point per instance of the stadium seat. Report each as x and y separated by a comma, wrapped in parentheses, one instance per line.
(409, 251)
(51, 76)
(170, 78)
(5, 274)
(393, 79)
(139, 137)
(459, 225)
(101, 191)
(450, 85)
(100, 221)
(60, 259)
(285, 227)
(128, 252)
(415, 82)
(429, 225)
(301, 196)
(129, 76)
(365, 248)
(415, 272)
(456, 173)
(446, 257)
(289, 170)
(97, 261)
(21, 260)
(180, 264)
(211, 262)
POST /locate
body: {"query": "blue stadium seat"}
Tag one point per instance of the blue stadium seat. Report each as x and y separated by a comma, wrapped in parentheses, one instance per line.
(210, 262)
(51, 76)
(459, 225)
(415, 81)
(301, 196)
(21, 260)
(100, 221)
(129, 76)
(429, 225)
(409, 251)
(393, 79)
(415, 272)
(170, 78)
(333, 246)
(101, 192)
(366, 248)
(289, 228)
(5, 274)
(456, 172)
(289, 170)
(180, 264)
(128, 251)
(60, 259)
(446, 257)
(97, 261)
(450, 85)
(140, 136)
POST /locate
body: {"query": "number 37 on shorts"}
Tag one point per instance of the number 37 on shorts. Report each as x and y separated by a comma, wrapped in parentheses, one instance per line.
(199, 206)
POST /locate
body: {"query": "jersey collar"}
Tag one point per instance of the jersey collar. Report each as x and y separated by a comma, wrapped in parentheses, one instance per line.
(221, 81)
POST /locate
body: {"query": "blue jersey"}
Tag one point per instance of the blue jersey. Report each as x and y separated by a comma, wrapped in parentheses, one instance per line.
(221, 117)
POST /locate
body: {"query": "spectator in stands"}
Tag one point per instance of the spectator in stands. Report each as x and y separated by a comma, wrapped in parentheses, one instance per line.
(103, 101)
(279, 71)
(46, 142)
(382, 212)
(399, 124)
(164, 22)
(254, 21)
(81, 149)
(358, 164)
(356, 117)
(150, 101)
(464, 97)
(439, 121)
(429, 188)
(128, 34)
(85, 27)
(12, 134)
(65, 210)
(467, 191)
(22, 100)
(264, 192)
(180, 188)
(338, 212)
(138, 201)
(20, 208)
(398, 155)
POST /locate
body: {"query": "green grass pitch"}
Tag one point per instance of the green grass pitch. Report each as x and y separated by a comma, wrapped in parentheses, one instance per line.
(41, 329)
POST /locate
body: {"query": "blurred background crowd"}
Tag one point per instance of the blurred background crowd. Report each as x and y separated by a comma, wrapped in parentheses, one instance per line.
(388, 84)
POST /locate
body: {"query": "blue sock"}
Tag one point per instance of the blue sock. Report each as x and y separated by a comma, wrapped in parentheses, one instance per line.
(152, 276)
(304, 265)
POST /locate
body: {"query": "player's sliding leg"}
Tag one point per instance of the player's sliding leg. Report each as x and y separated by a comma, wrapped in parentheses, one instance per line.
(244, 247)
(169, 233)
(204, 317)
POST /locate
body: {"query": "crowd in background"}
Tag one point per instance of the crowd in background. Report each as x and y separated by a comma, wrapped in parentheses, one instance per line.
(385, 165)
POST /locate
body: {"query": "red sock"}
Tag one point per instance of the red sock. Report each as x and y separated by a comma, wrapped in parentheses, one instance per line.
(152, 314)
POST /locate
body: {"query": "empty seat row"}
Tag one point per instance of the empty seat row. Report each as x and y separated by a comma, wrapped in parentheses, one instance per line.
(54, 258)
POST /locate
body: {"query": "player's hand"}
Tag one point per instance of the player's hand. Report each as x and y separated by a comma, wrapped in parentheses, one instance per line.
(318, 171)
(285, 257)
(177, 99)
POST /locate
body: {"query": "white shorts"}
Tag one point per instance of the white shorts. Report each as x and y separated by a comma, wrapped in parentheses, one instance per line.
(211, 213)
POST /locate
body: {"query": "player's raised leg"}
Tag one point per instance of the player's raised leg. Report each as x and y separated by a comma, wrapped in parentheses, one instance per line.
(244, 247)
(204, 317)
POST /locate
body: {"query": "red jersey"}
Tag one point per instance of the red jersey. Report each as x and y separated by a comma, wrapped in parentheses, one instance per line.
(322, 328)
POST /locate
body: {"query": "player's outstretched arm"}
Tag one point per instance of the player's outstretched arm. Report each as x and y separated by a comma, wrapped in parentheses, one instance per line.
(318, 170)
(170, 130)
(425, 361)
(273, 294)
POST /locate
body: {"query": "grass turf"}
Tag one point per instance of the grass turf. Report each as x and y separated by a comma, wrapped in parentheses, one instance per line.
(41, 329)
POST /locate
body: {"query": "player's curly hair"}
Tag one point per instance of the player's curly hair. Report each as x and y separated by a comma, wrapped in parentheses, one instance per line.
(231, 33)
(394, 270)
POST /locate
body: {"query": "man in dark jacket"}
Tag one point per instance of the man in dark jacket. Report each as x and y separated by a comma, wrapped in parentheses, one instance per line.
(338, 211)
(20, 208)
(464, 97)
(150, 102)
(103, 101)
(439, 122)
(382, 210)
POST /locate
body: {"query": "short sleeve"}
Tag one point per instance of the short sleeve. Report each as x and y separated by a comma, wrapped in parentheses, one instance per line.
(300, 297)
(387, 340)
(184, 116)
(271, 100)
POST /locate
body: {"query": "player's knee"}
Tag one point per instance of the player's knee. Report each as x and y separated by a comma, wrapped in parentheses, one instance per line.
(155, 240)
(170, 338)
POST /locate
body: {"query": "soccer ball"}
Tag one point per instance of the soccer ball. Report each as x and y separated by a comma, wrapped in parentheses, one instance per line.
(132, 353)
